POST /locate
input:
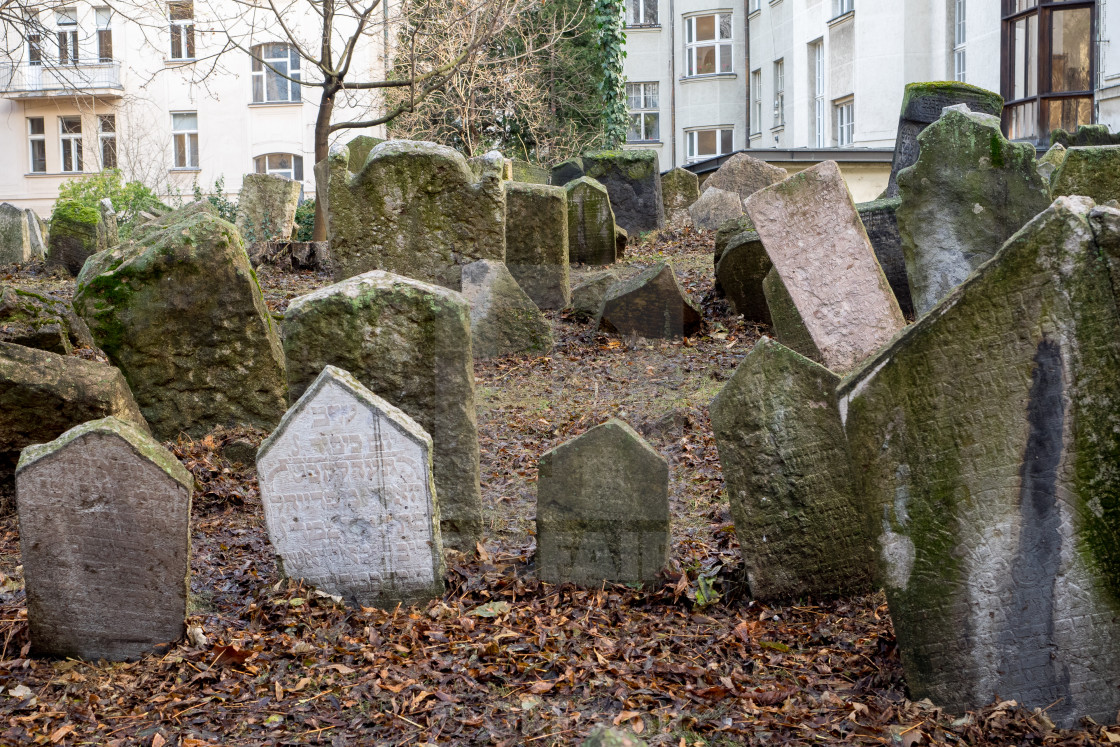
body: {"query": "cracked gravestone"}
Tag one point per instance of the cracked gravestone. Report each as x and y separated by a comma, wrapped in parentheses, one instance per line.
(537, 242)
(633, 181)
(591, 227)
(650, 304)
(504, 320)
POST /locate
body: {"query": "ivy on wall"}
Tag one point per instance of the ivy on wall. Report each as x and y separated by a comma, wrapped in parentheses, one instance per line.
(609, 21)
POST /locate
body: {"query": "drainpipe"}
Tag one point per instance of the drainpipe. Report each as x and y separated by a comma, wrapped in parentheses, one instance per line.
(672, 85)
(747, 75)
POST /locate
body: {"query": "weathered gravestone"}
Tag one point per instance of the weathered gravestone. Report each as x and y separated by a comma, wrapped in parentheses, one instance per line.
(650, 304)
(781, 446)
(679, 189)
(266, 208)
(714, 208)
(591, 238)
(349, 500)
(39, 320)
(111, 236)
(744, 175)
(410, 343)
(360, 148)
(537, 242)
(979, 440)
(969, 191)
(818, 245)
(104, 522)
(566, 171)
(880, 220)
(77, 233)
(179, 311)
(589, 294)
(1090, 171)
(789, 328)
(633, 181)
(1050, 162)
(490, 166)
(15, 236)
(415, 209)
(504, 321)
(922, 104)
(740, 272)
(602, 509)
(528, 173)
(1083, 135)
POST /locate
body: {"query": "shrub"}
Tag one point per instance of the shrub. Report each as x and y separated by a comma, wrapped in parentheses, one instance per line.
(305, 220)
(129, 199)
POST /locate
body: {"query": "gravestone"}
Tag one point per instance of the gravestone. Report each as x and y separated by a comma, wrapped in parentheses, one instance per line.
(744, 175)
(566, 171)
(781, 447)
(1050, 162)
(349, 500)
(969, 191)
(978, 437)
(679, 189)
(602, 509)
(410, 343)
(729, 231)
(537, 242)
(36, 233)
(15, 236)
(490, 166)
(880, 220)
(504, 321)
(789, 328)
(739, 275)
(39, 320)
(111, 236)
(415, 209)
(179, 311)
(591, 237)
(650, 304)
(529, 173)
(77, 233)
(633, 181)
(1089, 171)
(820, 249)
(714, 208)
(359, 148)
(589, 294)
(922, 104)
(1083, 135)
(266, 208)
(621, 239)
(104, 522)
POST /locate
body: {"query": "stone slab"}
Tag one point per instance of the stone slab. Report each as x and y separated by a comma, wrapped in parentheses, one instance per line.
(785, 319)
(537, 242)
(504, 320)
(592, 290)
(1089, 171)
(714, 208)
(591, 227)
(266, 208)
(880, 220)
(633, 181)
(15, 237)
(744, 175)
(679, 189)
(740, 273)
(650, 304)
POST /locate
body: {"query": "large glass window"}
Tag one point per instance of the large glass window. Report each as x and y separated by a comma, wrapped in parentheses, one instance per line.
(756, 102)
(181, 16)
(286, 165)
(641, 12)
(107, 139)
(275, 73)
(641, 100)
(184, 131)
(70, 142)
(708, 44)
(845, 122)
(104, 34)
(816, 54)
(37, 145)
(703, 144)
(779, 93)
(67, 21)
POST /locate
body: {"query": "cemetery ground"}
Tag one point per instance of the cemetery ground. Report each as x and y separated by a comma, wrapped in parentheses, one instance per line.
(502, 658)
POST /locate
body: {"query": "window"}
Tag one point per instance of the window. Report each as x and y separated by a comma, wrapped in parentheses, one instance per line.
(708, 44)
(280, 164)
(756, 102)
(104, 34)
(754, 6)
(641, 12)
(34, 49)
(184, 131)
(67, 21)
(107, 139)
(641, 100)
(703, 144)
(959, 37)
(37, 145)
(780, 93)
(70, 141)
(1048, 66)
(816, 54)
(840, 7)
(181, 15)
(845, 122)
(275, 73)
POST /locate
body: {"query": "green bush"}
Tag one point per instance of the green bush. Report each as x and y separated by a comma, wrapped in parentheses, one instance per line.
(305, 220)
(129, 199)
(226, 208)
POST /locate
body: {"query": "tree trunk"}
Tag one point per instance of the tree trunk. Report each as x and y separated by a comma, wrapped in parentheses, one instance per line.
(322, 150)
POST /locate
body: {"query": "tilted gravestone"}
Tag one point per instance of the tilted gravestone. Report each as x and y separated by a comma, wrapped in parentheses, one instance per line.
(104, 521)
(633, 181)
(537, 242)
(781, 447)
(789, 327)
(818, 245)
(880, 220)
(504, 321)
(592, 290)
(415, 209)
(15, 235)
(679, 189)
(77, 233)
(359, 148)
(179, 311)
(1090, 171)
(714, 208)
(40, 320)
(410, 343)
(266, 208)
(650, 304)
(591, 237)
(740, 273)
(978, 440)
(37, 233)
(922, 104)
(349, 499)
(969, 191)
(602, 509)
(744, 175)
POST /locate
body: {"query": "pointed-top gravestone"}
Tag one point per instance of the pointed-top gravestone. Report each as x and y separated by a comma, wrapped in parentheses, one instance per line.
(591, 237)
(504, 321)
(104, 517)
(603, 509)
(650, 304)
(349, 499)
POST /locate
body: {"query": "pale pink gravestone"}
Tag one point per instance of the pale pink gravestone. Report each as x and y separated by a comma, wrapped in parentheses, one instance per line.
(104, 518)
(346, 482)
(814, 236)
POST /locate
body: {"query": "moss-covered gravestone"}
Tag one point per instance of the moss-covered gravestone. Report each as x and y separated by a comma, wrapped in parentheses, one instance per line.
(15, 236)
(104, 523)
(591, 239)
(266, 208)
(789, 328)
(1050, 162)
(633, 181)
(537, 242)
(781, 446)
(602, 509)
(360, 147)
(349, 501)
(744, 175)
(77, 233)
(415, 209)
(1091, 171)
(1083, 135)
(529, 173)
(739, 275)
(39, 320)
(984, 441)
(969, 191)
(679, 189)
(714, 208)
(504, 321)
(650, 304)
(179, 311)
(410, 343)
(591, 291)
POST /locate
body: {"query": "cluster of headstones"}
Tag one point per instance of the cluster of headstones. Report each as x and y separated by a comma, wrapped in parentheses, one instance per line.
(966, 462)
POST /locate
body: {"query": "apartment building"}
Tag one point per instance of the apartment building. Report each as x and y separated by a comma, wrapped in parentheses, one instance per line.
(147, 88)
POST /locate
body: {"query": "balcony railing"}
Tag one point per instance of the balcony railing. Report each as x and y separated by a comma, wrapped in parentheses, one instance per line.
(47, 79)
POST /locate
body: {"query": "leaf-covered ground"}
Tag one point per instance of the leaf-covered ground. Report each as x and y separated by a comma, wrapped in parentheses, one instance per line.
(503, 659)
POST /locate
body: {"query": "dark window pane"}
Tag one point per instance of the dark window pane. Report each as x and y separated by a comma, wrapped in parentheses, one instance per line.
(299, 168)
(34, 49)
(653, 131)
(258, 88)
(725, 58)
(259, 164)
(105, 45)
(38, 156)
(107, 123)
(1024, 69)
(726, 137)
(1069, 49)
(189, 30)
(705, 60)
(71, 125)
(705, 28)
(297, 92)
(1022, 120)
(194, 150)
(276, 88)
(108, 153)
(37, 125)
(651, 12)
(634, 132)
(706, 143)
(725, 26)
(176, 43)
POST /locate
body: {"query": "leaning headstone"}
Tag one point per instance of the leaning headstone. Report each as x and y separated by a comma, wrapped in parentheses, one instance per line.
(567, 171)
(591, 291)
(714, 208)
(266, 208)
(410, 343)
(679, 189)
(979, 440)
(818, 245)
(633, 181)
(650, 304)
(39, 320)
(1090, 171)
(739, 275)
(1050, 162)
(349, 500)
(789, 328)
(360, 148)
(104, 524)
(590, 223)
(77, 233)
(969, 191)
(415, 209)
(744, 175)
(15, 238)
(729, 231)
(602, 509)
(179, 311)
(880, 220)
(781, 447)
(504, 321)
(537, 242)
(922, 104)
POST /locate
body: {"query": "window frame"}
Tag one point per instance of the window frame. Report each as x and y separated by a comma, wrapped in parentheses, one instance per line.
(181, 31)
(296, 169)
(67, 34)
(190, 145)
(34, 138)
(34, 49)
(845, 126)
(819, 108)
(104, 20)
(756, 101)
(72, 162)
(107, 139)
(718, 43)
(642, 8)
(842, 8)
(644, 111)
(262, 68)
(960, 39)
(723, 134)
(779, 93)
